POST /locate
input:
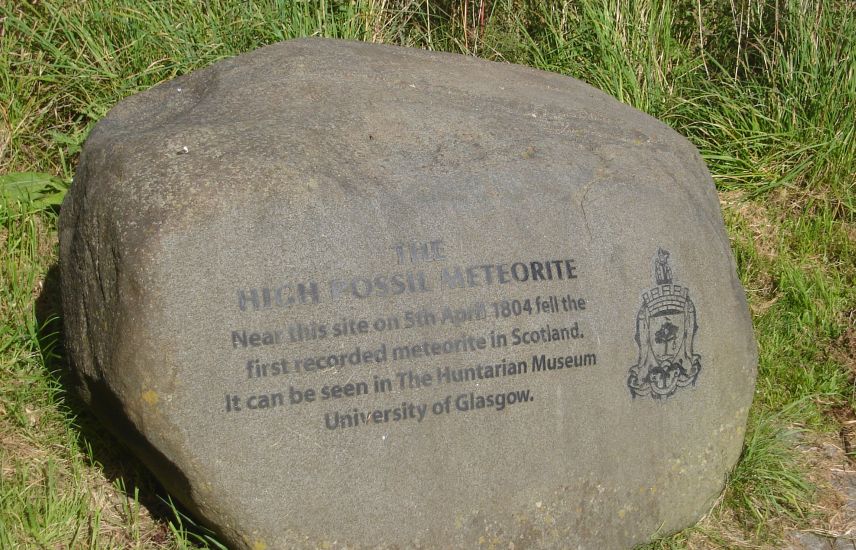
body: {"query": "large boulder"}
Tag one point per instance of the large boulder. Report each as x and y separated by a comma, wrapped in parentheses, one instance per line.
(335, 293)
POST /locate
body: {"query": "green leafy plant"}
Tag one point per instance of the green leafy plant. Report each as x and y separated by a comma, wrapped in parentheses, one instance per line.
(37, 191)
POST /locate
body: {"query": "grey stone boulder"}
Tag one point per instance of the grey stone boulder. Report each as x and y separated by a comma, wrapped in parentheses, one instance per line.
(350, 295)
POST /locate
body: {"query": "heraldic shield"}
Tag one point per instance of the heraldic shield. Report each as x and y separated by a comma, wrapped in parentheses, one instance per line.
(665, 332)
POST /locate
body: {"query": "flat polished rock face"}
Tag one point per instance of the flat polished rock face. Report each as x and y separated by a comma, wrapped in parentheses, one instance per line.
(361, 295)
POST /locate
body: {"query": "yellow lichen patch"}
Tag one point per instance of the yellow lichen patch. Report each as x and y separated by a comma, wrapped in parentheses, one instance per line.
(260, 545)
(150, 397)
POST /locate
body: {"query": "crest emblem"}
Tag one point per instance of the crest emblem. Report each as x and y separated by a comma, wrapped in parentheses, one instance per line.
(665, 332)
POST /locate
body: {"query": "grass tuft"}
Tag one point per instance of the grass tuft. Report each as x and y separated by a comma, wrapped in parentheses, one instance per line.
(768, 485)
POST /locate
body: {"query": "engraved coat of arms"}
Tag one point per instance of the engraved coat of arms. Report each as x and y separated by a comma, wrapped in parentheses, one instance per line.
(665, 333)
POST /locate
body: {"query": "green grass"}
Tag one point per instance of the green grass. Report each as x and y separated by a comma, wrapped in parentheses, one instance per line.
(766, 89)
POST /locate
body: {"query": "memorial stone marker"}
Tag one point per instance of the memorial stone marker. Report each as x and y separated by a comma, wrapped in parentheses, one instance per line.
(345, 294)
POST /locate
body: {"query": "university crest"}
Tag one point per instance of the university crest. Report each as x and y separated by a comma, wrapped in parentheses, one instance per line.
(665, 331)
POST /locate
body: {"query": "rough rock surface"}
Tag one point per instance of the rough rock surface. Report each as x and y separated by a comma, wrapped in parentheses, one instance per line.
(348, 294)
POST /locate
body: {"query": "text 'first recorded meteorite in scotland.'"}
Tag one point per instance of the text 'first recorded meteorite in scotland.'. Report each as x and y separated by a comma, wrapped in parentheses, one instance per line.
(360, 295)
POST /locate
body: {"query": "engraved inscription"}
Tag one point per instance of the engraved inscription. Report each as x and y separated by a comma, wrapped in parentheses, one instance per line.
(446, 348)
